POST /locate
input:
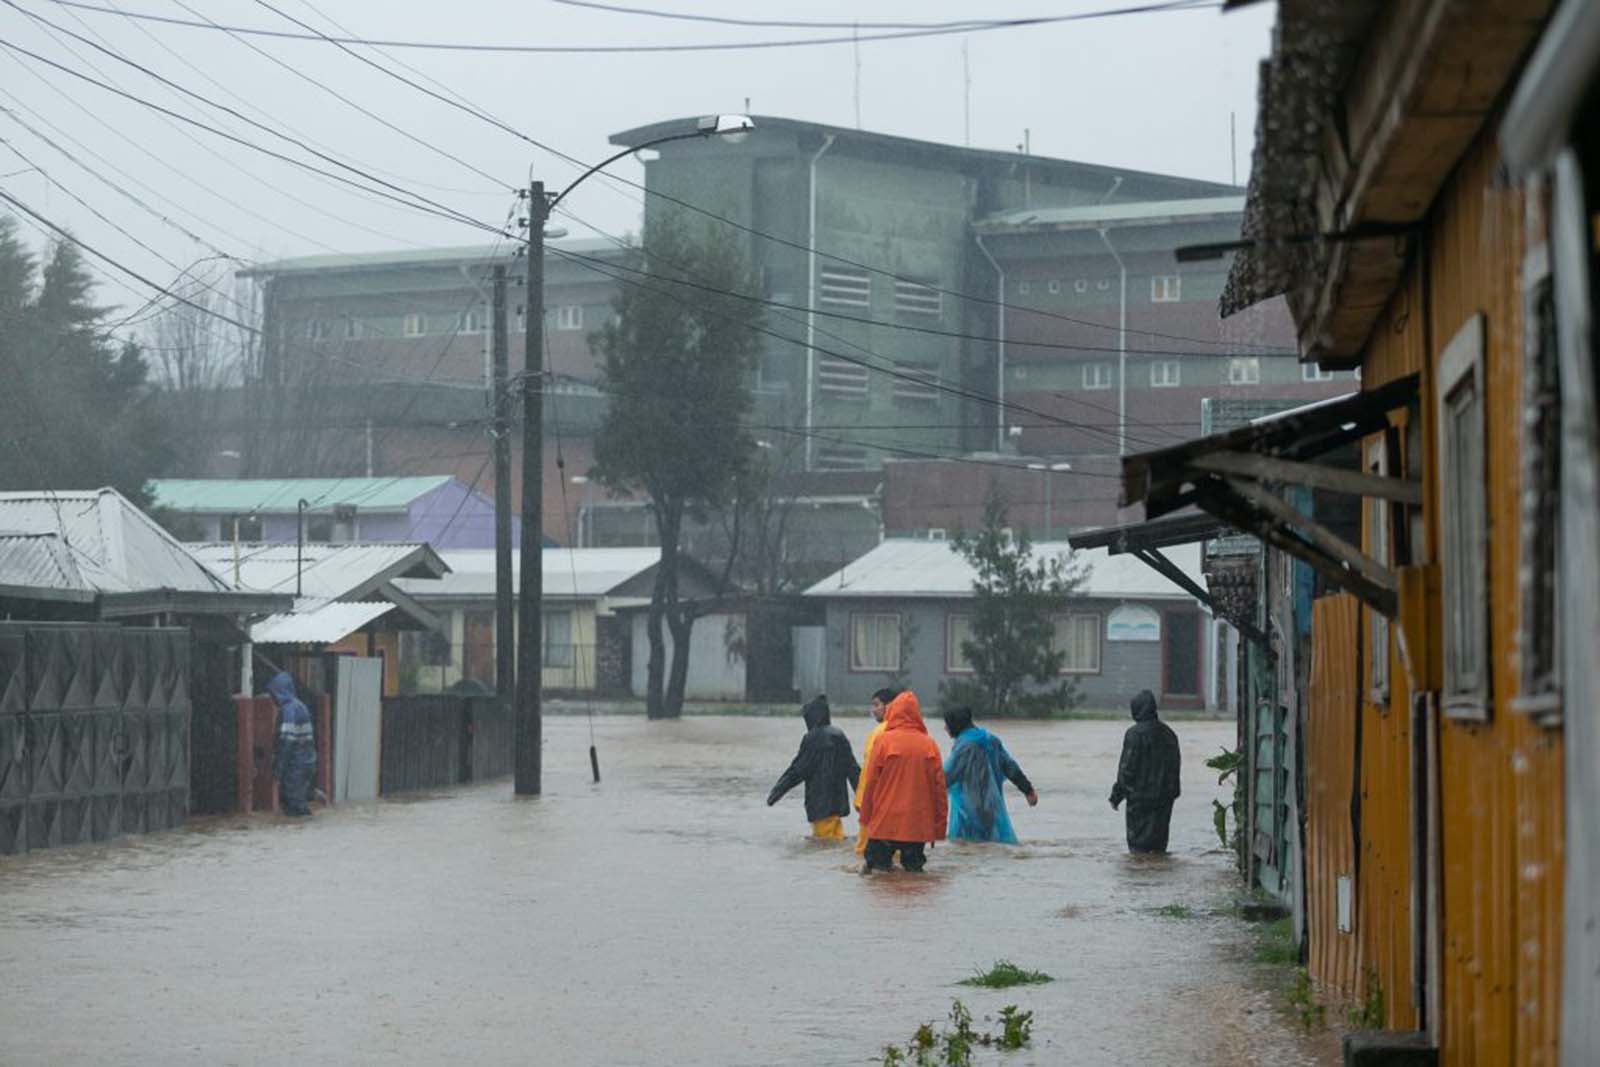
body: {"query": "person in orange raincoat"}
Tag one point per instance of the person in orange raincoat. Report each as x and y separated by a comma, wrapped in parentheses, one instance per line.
(903, 804)
(880, 704)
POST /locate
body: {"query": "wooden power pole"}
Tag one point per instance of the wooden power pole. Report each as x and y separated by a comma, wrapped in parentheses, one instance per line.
(530, 617)
(504, 650)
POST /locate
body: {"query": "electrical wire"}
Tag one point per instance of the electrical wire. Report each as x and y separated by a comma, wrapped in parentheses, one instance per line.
(729, 46)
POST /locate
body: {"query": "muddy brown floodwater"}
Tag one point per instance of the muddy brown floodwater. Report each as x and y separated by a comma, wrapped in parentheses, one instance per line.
(666, 916)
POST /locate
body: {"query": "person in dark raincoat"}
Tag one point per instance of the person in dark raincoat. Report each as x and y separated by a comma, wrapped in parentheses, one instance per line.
(1147, 776)
(974, 772)
(827, 767)
(294, 760)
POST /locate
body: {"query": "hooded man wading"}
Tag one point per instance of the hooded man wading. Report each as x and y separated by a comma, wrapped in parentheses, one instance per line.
(903, 803)
(294, 760)
(1147, 776)
(827, 767)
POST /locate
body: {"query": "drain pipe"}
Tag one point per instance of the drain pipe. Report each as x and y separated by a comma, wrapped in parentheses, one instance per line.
(811, 303)
(1122, 350)
(1000, 346)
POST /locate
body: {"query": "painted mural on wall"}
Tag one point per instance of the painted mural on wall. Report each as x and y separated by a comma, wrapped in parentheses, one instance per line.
(1133, 622)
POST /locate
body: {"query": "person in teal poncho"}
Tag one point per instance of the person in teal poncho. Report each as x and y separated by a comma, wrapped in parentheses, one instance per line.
(974, 771)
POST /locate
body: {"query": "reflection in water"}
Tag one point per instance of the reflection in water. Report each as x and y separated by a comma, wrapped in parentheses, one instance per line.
(665, 916)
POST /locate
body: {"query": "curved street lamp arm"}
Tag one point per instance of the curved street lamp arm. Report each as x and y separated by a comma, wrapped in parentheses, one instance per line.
(604, 163)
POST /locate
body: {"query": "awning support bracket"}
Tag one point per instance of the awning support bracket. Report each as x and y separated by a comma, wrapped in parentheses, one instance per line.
(1260, 468)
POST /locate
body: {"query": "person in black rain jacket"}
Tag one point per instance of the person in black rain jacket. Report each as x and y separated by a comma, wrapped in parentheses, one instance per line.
(827, 767)
(1147, 776)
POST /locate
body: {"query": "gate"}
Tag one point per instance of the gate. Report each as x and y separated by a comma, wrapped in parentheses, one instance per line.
(94, 732)
(357, 708)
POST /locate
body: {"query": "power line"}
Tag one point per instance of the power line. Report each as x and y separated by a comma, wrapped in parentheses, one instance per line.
(728, 46)
(724, 20)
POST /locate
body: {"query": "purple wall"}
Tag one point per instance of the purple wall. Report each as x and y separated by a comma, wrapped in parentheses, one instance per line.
(449, 517)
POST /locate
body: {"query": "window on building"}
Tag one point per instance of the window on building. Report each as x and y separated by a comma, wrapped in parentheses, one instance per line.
(915, 383)
(1166, 288)
(352, 328)
(241, 528)
(1539, 636)
(1166, 374)
(1376, 461)
(844, 287)
(414, 325)
(558, 647)
(1244, 370)
(1077, 637)
(1081, 285)
(475, 321)
(569, 317)
(911, 298)
(841, 458)
(1024, 288)
(841, 377)
(957, 631)
(1310, 372)
(319, 527)
(1463, 517)
(317, 329)
(1103, 284)
(1097, 376)
(875, 641)
(1054, 286)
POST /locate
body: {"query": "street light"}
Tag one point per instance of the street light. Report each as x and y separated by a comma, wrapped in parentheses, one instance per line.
(1048, 469)
(585, 519)
(530, 695)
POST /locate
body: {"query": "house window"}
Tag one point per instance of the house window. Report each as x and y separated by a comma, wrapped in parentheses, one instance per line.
(835, 458)
(414, 325)
(844, 287)
(1055, 285)
(1097, 376)
(915, 383)
(317, 329)
(1081, 285)
(1165, 288)
(569, 317)
(1310, 372)
(1244, 370)
(475, 321)
(1165, 374)
(911, 298)
(957, 631)
(242, 528)
(1077, 638)
(1376, 461)
(558, 639)
(434, 650)
(1539, 637)
(1464, 540)
(875, 641)
(841, 377)
(319, 527)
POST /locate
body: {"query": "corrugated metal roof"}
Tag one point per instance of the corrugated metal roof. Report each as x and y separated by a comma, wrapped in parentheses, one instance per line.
(327, 571)
(244, 496)
(324, 623)
(578, 573)
(104, 544)
(918, 568)
(1093, 215)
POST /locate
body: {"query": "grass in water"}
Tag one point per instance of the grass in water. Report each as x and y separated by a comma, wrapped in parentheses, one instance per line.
(1277, 946)
(1175, 911)
(1005, 974)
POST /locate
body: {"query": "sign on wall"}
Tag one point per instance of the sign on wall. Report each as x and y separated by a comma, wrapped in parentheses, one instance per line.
(1133, 622)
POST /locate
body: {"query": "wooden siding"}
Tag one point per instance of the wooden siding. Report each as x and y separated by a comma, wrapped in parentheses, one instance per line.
(1330, 767)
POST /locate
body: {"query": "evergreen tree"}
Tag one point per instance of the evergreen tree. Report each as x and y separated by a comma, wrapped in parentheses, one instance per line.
(1016, 668)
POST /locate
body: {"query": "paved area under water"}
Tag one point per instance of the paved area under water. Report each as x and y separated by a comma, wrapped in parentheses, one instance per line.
(666, 916)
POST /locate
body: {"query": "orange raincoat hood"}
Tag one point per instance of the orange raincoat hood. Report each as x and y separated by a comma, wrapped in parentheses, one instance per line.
(905, 794)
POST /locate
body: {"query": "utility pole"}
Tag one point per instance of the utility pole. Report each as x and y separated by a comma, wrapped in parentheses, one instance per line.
(500, 429)
(530, 616)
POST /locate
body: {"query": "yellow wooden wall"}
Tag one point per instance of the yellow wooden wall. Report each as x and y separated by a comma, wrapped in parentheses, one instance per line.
(1500, 782)
(1334, 958)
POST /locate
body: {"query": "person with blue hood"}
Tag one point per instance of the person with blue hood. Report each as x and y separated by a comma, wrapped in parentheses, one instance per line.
(827, 767)
(1147, 776)
(974, 771)
(294, 759)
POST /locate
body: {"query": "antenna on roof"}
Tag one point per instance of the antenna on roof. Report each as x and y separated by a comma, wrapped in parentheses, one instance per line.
(966, 94)
(855, 36)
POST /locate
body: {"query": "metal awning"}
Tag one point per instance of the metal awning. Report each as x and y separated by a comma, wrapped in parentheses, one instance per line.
(1230, 477)
(1145, 540)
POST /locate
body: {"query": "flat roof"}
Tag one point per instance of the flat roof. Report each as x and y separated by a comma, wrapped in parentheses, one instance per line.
(1093, 216)
(422, 257)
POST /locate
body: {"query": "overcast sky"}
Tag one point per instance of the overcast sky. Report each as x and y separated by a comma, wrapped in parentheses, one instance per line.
(1151, 91)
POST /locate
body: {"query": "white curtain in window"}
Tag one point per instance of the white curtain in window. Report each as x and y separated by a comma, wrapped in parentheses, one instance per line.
(875, 642)
(1078, 636)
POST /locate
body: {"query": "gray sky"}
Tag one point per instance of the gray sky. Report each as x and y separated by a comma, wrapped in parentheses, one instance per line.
(1151, 91)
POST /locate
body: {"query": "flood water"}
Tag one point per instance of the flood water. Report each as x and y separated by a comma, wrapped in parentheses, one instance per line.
(666, 916)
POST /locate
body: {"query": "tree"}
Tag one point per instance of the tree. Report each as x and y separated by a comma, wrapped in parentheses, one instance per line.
(675, 367)
(1015, 600)
(77, 410)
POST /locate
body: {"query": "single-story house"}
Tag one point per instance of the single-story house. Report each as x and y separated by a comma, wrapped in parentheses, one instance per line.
(435, 509)
(588, 647)
(899, 614)
(346, 599)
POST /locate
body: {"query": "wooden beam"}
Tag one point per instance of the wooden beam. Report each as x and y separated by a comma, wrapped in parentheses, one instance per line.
(1318, 535)
(1262, 468)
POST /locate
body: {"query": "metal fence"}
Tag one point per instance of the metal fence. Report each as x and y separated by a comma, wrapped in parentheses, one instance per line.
(434, 741)
(94, 732)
